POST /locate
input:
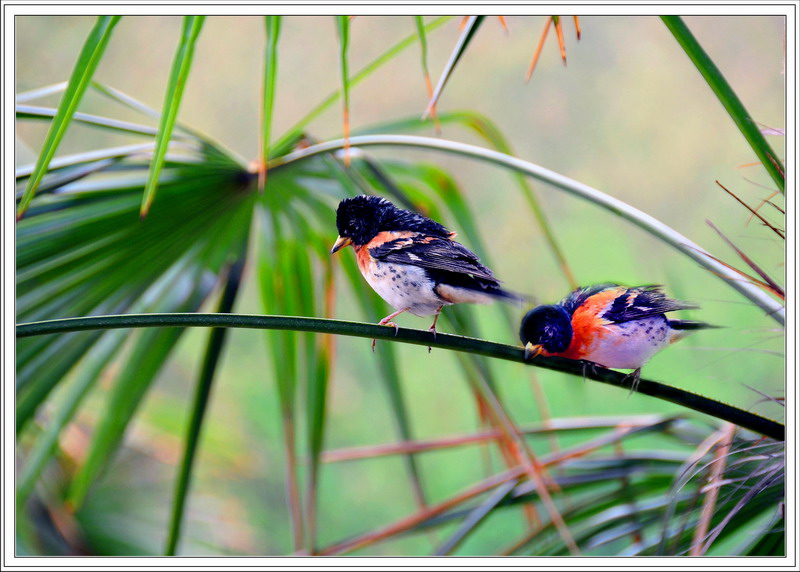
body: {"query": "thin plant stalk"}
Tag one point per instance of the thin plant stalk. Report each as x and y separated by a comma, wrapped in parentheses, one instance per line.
(714, 484)
(551, 426)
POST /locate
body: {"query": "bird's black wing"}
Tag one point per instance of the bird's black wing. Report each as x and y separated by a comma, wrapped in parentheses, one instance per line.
(436, 255)
(642, 302)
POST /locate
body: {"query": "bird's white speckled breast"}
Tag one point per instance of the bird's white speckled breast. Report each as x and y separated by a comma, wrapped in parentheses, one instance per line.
(403, 286)
(631, 344)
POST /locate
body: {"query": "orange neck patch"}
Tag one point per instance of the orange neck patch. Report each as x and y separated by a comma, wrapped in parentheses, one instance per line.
(587, 325)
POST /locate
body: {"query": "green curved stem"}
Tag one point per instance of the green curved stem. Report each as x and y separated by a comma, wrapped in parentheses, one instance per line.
(487, 348)
(616, 206)
(727, 97)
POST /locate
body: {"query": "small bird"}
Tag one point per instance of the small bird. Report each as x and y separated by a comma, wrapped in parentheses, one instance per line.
(607, 324)
(411, 261)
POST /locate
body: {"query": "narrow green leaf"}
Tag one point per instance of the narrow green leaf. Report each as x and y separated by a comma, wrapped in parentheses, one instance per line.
(317, 397)
(177, 82)
(728, 98)
(423, 45)
(343, 27)
(214, 348)
(763, 494)
(278, 295)
(96, 257)
(85, 252)
(472, 25)
(578, 512)
(369, 179)
(273, 30)
(88, 60)
(317, 362)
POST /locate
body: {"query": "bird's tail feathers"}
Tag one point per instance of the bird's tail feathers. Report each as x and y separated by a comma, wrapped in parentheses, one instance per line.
(682, 328)
(690, 325)
(510, 296)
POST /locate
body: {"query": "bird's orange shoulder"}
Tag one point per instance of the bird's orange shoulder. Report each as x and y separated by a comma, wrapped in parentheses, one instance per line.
(594, 306)
(362, 251)
(587, 321)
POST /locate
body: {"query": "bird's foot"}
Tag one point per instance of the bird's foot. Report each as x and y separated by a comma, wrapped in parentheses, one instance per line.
(432, 329)
(389, 323)
(634, 376)
(386, 322)
(588, 366)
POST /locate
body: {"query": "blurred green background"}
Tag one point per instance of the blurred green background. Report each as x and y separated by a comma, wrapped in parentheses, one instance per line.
(629, 115)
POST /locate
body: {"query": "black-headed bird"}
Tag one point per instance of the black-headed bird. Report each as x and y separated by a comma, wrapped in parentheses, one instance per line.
(411, 261)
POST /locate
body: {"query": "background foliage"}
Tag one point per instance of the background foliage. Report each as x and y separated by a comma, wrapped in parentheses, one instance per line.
(630, 115)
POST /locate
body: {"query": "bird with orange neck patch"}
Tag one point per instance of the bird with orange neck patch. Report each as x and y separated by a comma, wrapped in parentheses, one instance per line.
(411, 261)
(608, 325)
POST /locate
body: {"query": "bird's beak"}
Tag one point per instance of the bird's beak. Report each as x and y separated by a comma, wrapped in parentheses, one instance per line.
(340, 243)
(531, 351)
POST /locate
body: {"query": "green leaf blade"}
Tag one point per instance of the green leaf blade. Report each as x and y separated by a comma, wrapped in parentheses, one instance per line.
(213, 353)
(728, 98)
(82, 73)
(343, 28)
(473, 23)
(273, 30)
(179, 74)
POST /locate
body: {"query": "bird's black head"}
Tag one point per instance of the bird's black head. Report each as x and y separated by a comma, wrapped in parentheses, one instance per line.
(547, 326)
(359, 219)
